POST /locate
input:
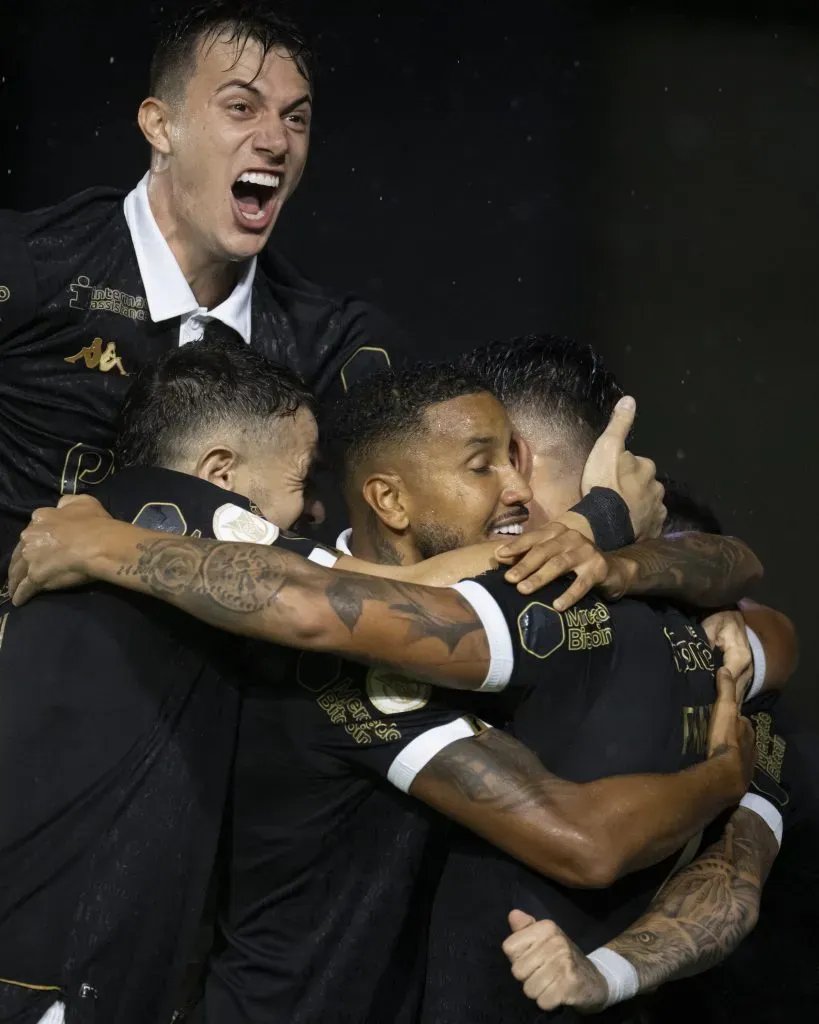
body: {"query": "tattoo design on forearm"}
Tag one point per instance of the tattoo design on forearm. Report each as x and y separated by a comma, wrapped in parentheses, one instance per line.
(698, 566)
(704, 912)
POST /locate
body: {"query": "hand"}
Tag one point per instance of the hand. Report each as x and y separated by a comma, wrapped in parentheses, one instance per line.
(553, 970)
(726, 630)
(49, 553)
(546, 555)
(633, 477)
(729, 735)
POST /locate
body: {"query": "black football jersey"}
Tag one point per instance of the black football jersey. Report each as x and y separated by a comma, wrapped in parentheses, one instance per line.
(331, 866)
(74, 325)
(117, 730)
(595, 691)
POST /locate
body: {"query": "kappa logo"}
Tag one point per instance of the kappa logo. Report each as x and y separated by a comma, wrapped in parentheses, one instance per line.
(233, 523)
(96, 357)
(394, 694)
(84, 295)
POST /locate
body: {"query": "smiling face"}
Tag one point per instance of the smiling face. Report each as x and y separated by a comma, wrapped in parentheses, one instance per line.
(462, 484)
(232, 148)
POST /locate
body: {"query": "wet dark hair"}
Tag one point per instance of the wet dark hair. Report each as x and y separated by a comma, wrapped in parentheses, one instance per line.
(685, 512)
(178, 399)
(549, 380)
(242, 21)
(387, 408)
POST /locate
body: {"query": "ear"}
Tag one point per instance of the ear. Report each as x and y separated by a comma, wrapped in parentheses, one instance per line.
(154, 119)
(218, 466)
(385, 494)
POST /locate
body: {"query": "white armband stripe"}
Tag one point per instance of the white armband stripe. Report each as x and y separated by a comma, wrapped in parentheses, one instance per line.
(766, 810)
(321, 556)
(420, 752)
(760, 667)
(501, 653)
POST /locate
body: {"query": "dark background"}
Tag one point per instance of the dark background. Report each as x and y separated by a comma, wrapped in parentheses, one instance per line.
(641, 176)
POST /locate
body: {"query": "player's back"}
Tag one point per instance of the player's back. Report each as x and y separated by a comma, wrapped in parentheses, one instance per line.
(116, 739)
(331, 869)
(599, 691)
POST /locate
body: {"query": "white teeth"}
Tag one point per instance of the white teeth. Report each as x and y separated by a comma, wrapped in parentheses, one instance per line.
(257, 178)
(252, 216)
(512, 528)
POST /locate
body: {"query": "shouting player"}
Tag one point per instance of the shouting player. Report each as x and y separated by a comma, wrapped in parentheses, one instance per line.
(104, 283)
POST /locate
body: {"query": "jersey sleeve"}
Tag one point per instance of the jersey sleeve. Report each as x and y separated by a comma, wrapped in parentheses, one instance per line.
(387, 723)
(530, 643)
(774, 790)
(18, 281)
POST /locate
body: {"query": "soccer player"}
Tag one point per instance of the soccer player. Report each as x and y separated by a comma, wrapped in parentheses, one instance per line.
(119, 715)
(296, 947)
(707, 909)
(103, 283)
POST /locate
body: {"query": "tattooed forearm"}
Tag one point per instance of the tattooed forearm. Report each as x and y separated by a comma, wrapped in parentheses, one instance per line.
(492, 769)
(700, 569)
(275, 595)
(705, 911)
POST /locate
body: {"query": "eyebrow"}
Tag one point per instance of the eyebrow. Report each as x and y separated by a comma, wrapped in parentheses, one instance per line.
(473, 442)
(238, 83)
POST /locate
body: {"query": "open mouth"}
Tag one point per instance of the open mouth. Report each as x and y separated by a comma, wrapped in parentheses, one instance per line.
(254, 193)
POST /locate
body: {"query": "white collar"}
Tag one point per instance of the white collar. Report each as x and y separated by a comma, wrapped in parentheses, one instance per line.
(343, 542)
(168, 293)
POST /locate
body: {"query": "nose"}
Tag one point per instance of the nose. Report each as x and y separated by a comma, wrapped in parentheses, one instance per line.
(516, 490)
(272, 139)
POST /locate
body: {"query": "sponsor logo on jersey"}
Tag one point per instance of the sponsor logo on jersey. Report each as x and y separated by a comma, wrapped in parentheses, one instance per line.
(691, 652)
(5, 293)
(770, 753)
(85, 466)
(84, 295)
(96, 357)
(161, 515)
(543, 630)
(695, 728)
(231, 522)
(393, 694)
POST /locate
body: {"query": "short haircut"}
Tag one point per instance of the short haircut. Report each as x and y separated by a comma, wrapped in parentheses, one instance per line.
(685, 512)
(386, 409)
(243, 21)
(549, 380)
(179, 400)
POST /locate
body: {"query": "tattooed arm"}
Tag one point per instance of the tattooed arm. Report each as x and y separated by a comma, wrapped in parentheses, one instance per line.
(701, 569)
(696, 920)
(581, 834)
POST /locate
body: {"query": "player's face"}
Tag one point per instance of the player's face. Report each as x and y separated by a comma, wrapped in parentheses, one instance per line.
(238, 146)
(463, 483)
(274, 472)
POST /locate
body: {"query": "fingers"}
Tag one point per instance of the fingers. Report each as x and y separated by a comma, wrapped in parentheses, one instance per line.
(726, 687)
(529, 936)
(578, 589)
(518, 920)
(621, 422)
(517, 546)
(24, 591)
(17, 569)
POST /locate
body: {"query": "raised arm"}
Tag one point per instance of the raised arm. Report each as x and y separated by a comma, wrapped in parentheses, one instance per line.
(696, 920)
(581, 834)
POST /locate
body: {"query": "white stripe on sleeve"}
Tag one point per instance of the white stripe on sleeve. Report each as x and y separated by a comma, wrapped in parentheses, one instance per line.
(420, 752)
(501, 653)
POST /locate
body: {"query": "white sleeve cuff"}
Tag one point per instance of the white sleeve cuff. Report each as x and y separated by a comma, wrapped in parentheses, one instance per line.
(766, 810)
(501, 654)
(420, 752)
(321, 556)
(758, 652)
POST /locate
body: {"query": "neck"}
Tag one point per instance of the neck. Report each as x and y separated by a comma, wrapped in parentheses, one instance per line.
(211, 280)
(371, 544)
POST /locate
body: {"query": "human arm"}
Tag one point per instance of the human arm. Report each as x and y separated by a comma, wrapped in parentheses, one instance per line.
(585, 834)
(758, 644)
(696, 920)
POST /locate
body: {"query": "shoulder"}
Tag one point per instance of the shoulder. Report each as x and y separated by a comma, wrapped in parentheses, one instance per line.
(78, 216)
